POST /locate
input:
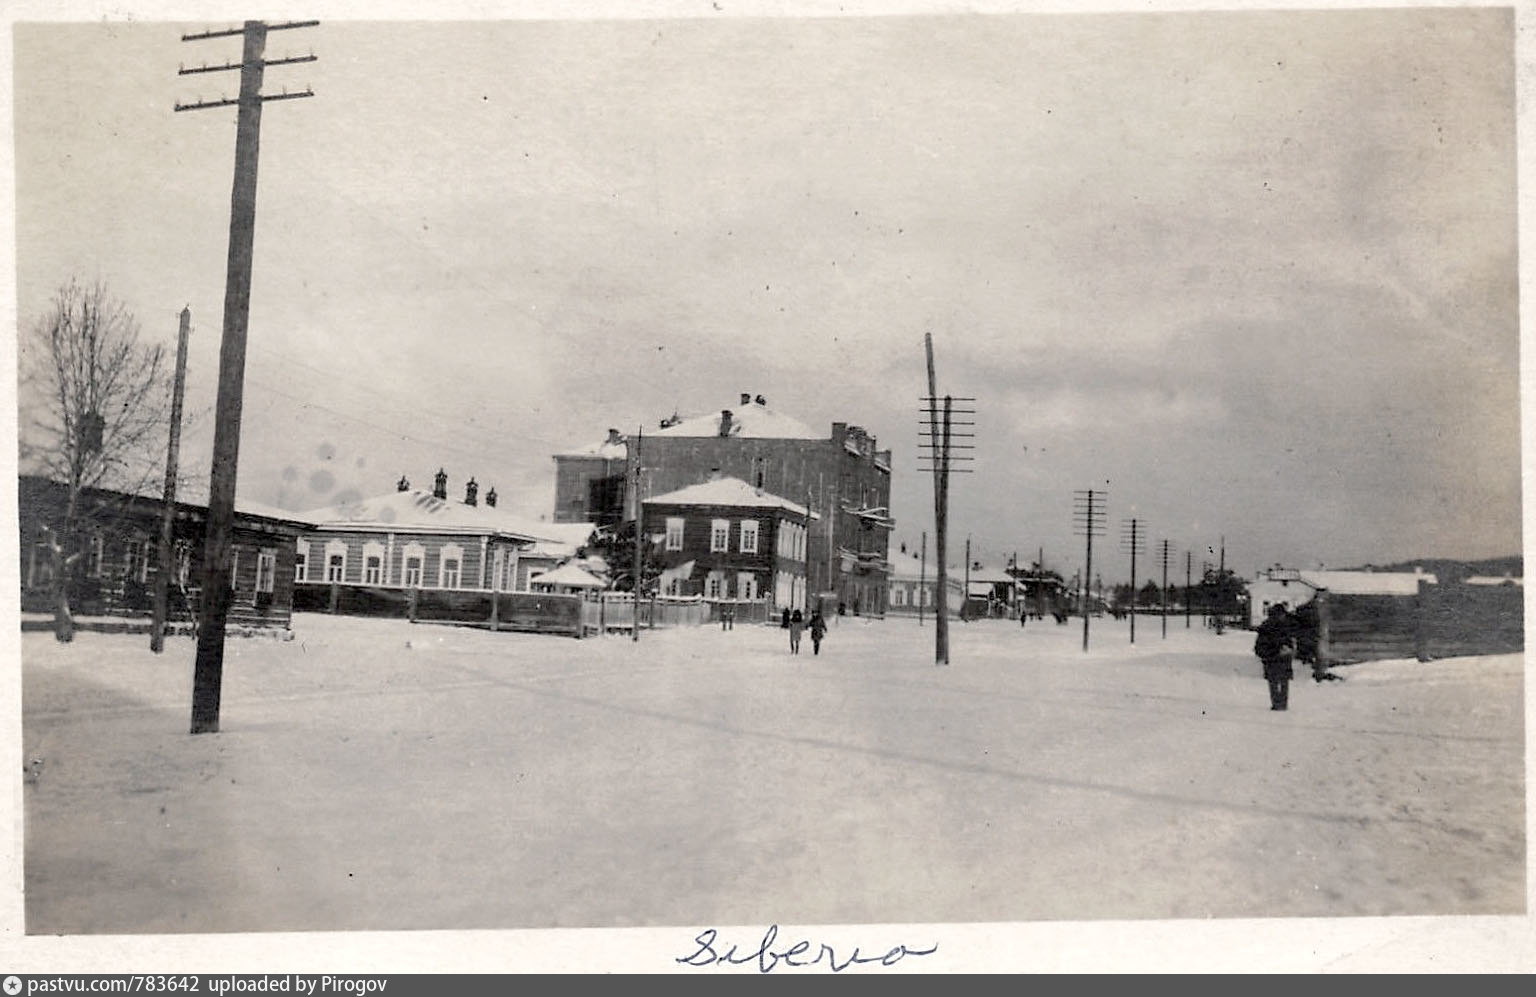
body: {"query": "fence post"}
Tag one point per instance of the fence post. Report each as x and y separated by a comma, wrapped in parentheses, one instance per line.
(335, 593)
(1420, 631)
(495, 612)
(410, 605)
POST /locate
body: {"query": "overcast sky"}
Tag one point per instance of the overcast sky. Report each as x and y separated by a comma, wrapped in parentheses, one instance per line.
(1252, 273)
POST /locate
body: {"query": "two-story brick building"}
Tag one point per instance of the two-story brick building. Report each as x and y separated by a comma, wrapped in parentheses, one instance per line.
(842, 476)
(725, 539)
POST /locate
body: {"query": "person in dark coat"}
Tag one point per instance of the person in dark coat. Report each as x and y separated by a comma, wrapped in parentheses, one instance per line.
(796, 625)
(1275, 645)
(818, 631)
(784, 622)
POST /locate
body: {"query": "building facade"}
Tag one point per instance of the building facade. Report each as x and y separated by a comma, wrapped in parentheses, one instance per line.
(119, 570)
(724, 539)
(414, 539)
(841, 476)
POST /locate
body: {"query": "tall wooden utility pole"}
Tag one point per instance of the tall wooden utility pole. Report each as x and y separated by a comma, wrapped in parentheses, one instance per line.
(639, 508)
(213, 611)
(1189, 565)
(1165, 589)
(168, 514)
(1088, 513)
(922, 578)
(1134, 537)
(940, 446)
(965, 597)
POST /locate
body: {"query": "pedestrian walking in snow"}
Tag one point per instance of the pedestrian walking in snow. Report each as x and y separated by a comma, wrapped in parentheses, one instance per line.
(796, 625)
(818, 631)
(1275, 645)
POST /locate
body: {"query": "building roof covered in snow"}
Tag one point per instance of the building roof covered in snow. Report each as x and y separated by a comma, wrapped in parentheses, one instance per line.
(912, 569)
(615, 447)
(728, 491)
(417, 509)
(750, 419)
(1353, 582)
(570, 575)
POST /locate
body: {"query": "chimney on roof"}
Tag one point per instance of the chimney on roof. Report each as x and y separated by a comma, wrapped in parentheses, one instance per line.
(490, 498)
(725, 422)
(470, 490)
(402, 485)
(746, 398)
(761, 400)
(613, 437)
(440, 485)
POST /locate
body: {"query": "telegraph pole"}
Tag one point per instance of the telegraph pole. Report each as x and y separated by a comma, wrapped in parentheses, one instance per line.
(938, 446)
(1189, 563)
(1165, 589)
(168, 514)
(922, 578)
(1088, 515)
(965, 599)
(213, 611)
(639, 437)
(1132, 537)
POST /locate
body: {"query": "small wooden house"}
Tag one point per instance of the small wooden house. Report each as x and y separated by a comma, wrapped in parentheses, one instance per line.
(120, 533)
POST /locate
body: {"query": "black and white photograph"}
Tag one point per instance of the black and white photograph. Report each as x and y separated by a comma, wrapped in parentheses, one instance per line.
(720, 488)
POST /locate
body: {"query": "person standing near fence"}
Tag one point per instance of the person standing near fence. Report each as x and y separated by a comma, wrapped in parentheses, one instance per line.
(1275, 646)
(796, 625)
(818, 631)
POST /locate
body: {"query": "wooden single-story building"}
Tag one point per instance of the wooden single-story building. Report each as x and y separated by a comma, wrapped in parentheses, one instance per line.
(364, 556)
(118, 534)
(914, 587)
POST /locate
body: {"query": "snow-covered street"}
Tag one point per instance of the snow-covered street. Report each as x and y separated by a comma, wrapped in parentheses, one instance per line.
(374, 774)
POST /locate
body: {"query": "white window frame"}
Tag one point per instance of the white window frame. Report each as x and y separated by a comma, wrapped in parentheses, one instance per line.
(373, 549)
(301, 561)
(898, 595)
(746, 585)
(719, 536)
(266, 569)
(674, 533)
(417, 551)
(748, 542)
(714, 585)
(334, 548)
(455, 554)
(234, 568)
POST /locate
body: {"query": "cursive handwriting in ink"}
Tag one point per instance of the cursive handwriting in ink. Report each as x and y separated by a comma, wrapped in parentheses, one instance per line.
(768, 957)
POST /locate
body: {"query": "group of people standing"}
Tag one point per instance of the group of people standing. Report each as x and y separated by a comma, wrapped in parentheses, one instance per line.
(795, 623)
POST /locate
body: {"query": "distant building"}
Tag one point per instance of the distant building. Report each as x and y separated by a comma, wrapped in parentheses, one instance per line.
(725, 539)
(117, 575)
(914, 586)
(1295, 587)
(415, 539)
(841, 476)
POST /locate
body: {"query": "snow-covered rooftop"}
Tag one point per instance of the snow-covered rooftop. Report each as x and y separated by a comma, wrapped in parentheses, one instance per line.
(567, 574)
(1368, 582)
(727, 491)
(754, 420)
(422, 509)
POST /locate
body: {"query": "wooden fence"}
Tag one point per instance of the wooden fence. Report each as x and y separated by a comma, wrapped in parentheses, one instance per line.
(1442, 621)
(539, 612)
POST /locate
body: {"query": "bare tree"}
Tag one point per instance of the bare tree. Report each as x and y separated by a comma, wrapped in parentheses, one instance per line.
(100, 400)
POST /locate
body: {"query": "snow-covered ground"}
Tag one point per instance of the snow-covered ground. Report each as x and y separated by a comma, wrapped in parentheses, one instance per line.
(374, 775)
